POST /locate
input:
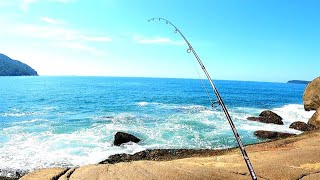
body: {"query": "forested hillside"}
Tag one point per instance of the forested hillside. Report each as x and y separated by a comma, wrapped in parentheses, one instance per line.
(10, 67)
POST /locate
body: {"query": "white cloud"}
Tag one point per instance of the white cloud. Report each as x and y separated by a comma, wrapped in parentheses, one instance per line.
(62, 1)
(25, 4)
(55, 33)
(47, 33)
(82, 47)
(96, 39)
(52, 21)
(56, 36)
(6, 3)
(156, 40)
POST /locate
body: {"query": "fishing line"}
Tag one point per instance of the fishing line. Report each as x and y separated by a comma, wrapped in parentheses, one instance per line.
(220, 101)
(203, 84)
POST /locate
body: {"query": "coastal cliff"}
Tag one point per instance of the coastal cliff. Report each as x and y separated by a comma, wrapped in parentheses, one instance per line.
(10, 67)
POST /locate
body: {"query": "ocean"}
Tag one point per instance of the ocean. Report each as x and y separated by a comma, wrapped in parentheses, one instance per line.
(71, 121)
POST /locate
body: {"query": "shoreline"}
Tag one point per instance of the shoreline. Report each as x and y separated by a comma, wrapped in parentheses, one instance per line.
(289, 158)
(150, 155)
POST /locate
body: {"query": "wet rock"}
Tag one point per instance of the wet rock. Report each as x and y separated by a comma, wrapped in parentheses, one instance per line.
(302, 126)
(162, 155)
(311, 96)
(272, 134)
(122, 137)
(267, 117)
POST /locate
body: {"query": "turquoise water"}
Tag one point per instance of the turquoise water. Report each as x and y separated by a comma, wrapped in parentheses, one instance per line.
(68, 121)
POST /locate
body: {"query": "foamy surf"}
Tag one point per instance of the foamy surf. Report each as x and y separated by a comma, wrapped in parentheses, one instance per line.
(192, 126)
(293, 112)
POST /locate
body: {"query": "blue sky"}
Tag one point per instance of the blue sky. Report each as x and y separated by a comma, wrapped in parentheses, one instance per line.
(254, 40)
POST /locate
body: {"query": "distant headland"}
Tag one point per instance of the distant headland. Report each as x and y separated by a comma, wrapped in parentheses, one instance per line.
(10, 67)
(298, 82)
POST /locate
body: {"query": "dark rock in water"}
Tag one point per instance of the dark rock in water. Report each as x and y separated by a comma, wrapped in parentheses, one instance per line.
(122, 137)
(275, 118)
(272, 134)
(302, 126)
(267, 117)
(163, 155)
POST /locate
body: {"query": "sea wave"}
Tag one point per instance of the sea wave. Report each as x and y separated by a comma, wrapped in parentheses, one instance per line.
(177, 107)
(21, 113)
(143, 103)
(31, 121)
(293, 112)
(28, 151)
(188, 126)
(290, 113)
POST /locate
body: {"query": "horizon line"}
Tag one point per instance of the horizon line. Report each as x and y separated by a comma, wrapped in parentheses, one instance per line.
(110, 76)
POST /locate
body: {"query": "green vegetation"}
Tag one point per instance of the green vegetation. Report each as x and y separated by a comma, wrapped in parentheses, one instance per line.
(10, 67)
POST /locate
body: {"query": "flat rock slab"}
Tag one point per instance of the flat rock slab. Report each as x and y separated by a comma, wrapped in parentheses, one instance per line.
(45, 174)
(163, 155)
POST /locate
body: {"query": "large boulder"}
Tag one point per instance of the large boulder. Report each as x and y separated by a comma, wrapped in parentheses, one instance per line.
(302, 126)
(272, 134)
(122, 137)
(267, 117)
(311, 96)
(311, 101)
(315, 119)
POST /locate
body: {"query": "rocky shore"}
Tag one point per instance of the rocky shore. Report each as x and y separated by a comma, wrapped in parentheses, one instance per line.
(296, 157)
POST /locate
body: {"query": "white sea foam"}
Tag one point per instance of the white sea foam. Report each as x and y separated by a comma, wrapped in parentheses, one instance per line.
(142, 103)
(29, 151)
(290, 113)
(31, 121)
(18, 113)
(200, 127)
(268, 127)
(293, 112)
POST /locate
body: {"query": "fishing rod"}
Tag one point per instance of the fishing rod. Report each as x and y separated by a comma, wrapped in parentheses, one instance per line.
(219, 99)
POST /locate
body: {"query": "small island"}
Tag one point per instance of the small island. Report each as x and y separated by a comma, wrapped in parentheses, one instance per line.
(10, 67)
(298, 82)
